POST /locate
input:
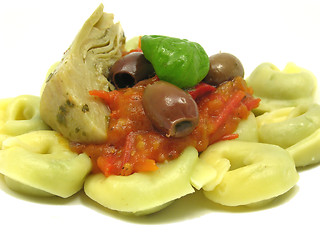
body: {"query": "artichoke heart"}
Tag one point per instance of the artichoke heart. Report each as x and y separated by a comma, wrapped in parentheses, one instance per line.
(66, 104)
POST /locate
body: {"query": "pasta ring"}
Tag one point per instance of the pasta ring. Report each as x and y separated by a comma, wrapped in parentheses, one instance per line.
(20, 115)
(144, 193)
(295, 129)
(285, 127)
(257, 172)
(42, 160)
(207, 173)
(278, 89)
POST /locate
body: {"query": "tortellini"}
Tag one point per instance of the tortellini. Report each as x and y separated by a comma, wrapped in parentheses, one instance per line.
(257, 172)
(144, 193)
(25, 189)
(19, 115)
(248, 129)
(294, 129)
(132, 43)
(208, 174)
(306, 151)
(278, 89)
(42, 160)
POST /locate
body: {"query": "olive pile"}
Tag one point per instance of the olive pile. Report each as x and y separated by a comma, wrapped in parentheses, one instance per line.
(172, 110)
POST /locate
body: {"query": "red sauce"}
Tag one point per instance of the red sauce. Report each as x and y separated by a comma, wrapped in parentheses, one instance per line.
(133, 144)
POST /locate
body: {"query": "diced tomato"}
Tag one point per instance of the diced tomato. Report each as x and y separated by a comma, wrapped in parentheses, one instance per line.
(133, 145)
(200, 90)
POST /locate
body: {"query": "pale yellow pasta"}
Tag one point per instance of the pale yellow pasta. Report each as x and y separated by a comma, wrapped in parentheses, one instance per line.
(286, 127)
(294, 129)
(257, 172)
(147, 192)
(278, 89)
(19, 115)
(248, 129)
(42, 160)
(25, 189)
(208, 172)
(132, 43)
(306, 151)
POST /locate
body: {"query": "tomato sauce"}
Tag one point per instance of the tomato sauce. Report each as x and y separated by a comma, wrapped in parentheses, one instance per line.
(134, 145)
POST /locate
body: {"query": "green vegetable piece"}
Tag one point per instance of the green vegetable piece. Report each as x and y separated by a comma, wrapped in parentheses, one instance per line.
(65, 103)
(175, 60)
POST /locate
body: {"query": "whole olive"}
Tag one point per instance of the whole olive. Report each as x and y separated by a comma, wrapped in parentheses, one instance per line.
(223, 67)
(171, 110)
(130, 69)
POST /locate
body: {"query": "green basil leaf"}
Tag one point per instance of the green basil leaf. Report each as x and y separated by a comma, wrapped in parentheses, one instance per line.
(178, 61)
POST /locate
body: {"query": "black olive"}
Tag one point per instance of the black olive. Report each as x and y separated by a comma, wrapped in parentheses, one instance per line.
(223, 67)
(171, 110)
(130, 69)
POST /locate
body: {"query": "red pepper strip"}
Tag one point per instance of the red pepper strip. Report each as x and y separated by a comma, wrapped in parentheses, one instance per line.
(200, 90)
(112, 165)
(230, 136)
(232, 104)
(128, 147)
(251, 103)
(131, 51)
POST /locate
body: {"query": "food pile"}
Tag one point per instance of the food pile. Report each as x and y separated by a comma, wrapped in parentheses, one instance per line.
(140, 123)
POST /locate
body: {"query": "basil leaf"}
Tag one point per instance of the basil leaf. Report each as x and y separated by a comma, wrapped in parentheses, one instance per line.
(178, 61)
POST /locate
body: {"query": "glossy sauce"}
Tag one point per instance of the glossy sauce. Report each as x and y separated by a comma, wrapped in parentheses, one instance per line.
(134, 145)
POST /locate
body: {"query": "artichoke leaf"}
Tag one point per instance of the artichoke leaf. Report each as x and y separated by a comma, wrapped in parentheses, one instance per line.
(66, 104)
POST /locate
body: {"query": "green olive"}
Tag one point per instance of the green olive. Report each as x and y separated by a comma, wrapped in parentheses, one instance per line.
(223, 67)
(171, 110)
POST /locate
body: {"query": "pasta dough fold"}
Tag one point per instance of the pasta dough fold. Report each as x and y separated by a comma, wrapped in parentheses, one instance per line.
(257, 172)
(20, 115)
(42, 160)
(144, 193)
(208, 172)
(278, 89)
(295, 129)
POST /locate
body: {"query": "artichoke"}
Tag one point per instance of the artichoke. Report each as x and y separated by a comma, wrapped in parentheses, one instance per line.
(66, 105)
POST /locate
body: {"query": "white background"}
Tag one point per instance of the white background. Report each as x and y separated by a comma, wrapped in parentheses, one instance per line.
(34, 34)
